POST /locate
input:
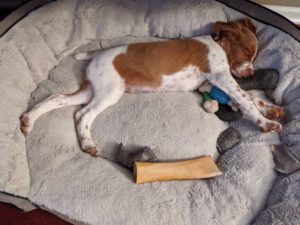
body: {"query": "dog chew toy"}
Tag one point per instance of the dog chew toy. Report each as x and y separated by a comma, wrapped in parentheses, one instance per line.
(144, 163)
(127, 158)
(210, 105)
(225, 113)
(228, 139)
(212, 96)
(219, 95)
(262, 79)
(203, 167)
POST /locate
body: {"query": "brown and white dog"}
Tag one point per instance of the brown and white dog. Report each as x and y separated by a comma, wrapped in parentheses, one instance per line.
(172, 65)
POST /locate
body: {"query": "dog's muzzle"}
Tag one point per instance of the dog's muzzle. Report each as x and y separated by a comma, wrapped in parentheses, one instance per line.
(244, 70)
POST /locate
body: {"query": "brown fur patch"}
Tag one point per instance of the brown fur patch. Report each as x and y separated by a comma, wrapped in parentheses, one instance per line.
(24, 124)
(272, 114)
(93, 151)
(275, 113)
(261, 103)
(270, 127)
(281, 113)
(144, 63)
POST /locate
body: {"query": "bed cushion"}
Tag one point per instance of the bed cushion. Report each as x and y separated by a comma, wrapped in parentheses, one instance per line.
(48, 166)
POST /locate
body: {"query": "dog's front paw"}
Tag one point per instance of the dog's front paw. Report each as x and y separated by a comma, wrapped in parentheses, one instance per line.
(93, 151)
(269, 126)
(275, 113)
(25, 124)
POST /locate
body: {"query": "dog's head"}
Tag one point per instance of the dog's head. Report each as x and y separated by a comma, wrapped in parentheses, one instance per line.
(238, 39)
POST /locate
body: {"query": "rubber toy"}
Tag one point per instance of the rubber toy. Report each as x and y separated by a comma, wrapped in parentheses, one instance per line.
(214, 96)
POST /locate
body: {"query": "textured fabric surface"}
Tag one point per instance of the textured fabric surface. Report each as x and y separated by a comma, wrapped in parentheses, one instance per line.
(49, 168)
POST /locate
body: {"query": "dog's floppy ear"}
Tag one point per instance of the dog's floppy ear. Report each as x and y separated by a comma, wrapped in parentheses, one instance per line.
(248, 23)
(223, 29)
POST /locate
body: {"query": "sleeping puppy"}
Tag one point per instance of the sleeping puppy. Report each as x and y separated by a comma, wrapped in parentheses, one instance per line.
(172, 65)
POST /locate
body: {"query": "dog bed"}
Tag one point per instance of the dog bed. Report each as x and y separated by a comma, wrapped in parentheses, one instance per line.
(48, 166)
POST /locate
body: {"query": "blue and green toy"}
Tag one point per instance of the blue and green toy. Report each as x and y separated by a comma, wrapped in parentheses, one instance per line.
(214, 96)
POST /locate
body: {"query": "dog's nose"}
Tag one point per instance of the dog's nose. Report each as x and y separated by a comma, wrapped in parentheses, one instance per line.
(249, 72)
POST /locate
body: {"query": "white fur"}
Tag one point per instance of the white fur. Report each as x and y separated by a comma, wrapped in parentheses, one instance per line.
(244, 66)
(241, 71)
(107, 87)
(82, 56)
(86, 55)
(55, 102)
(188, 79)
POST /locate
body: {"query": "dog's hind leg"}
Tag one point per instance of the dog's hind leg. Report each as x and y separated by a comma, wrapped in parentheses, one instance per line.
(107, 91)
(82, 96)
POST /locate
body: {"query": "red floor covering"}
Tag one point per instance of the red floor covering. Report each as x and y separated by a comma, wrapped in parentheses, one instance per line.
(10, 215)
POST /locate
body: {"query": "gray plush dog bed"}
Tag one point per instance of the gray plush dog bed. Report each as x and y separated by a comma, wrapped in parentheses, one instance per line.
(49, 168)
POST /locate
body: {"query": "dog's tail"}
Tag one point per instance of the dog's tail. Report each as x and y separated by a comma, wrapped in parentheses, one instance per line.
(86, 55)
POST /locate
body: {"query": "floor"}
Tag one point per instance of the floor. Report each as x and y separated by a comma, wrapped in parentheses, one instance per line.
(11, 215)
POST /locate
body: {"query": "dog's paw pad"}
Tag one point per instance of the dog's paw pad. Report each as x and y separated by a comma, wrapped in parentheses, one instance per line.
(25, 125)
(93, 151)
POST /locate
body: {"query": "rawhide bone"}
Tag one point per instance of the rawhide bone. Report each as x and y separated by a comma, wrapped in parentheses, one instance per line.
(202, 167)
